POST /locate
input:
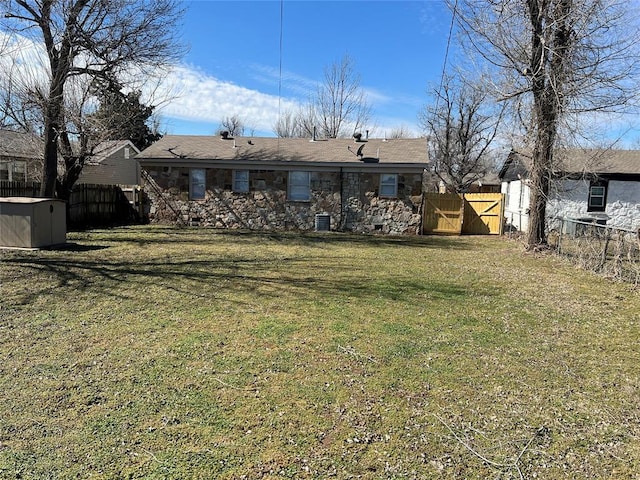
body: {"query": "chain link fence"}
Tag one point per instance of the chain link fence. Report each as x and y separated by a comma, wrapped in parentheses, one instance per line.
(609, 251)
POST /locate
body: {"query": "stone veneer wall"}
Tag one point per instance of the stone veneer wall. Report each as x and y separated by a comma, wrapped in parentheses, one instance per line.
(622, 208)
(265, 206)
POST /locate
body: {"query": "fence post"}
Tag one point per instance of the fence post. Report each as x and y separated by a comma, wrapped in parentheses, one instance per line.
(560, 235)
(603, 258)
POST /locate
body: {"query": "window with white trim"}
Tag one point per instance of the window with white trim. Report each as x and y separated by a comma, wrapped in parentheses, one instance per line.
(597, 196)
(241, 181)
(299, 187)
(197, 183)
(14, 171)
(388, 185)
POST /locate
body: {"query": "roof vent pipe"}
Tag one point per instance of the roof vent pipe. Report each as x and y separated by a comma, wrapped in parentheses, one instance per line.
(313, 138)
(224, 134)
(366, 132)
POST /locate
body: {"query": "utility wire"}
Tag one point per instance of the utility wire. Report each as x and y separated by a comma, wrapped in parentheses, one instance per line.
(446, 53)
(280, 66)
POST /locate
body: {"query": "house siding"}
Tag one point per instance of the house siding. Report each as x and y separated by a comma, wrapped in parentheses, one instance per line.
(568, 199)
(350, 198)
(516, 210)
(622, 206)
(116, 169)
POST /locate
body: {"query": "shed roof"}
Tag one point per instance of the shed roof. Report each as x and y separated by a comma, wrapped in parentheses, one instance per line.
(266, 150)
(20, 145)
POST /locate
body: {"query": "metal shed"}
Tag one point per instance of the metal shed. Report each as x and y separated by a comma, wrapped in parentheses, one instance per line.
(32, 222)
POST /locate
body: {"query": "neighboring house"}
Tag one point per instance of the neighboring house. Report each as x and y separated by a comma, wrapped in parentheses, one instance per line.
(363, 185)
(488, 183)
(113, 163)
(601, 186)
(20, 156)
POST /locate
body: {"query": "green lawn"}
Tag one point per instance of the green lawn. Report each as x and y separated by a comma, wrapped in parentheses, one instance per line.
(165, 353)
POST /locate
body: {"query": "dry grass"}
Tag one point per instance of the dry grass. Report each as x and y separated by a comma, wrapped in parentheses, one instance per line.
(164, 353)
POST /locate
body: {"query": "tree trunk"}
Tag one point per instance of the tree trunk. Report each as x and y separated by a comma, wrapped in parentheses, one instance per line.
(50, 164)
(548, 78)
(539, 186)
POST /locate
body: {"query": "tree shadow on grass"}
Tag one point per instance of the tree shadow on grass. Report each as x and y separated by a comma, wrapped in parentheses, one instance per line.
(75, 247)
(213, 277)
(154, 234)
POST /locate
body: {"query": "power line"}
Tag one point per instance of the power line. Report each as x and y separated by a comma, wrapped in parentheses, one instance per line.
(446, 53)
(280, 66)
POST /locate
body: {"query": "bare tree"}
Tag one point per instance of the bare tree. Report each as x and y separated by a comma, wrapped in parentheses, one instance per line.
(401, 131)
(233, 124)
(292, 124)
(341, 105)
(84, 40)
(286, 126)
(461, 123)
(561, 58)
(298, 123)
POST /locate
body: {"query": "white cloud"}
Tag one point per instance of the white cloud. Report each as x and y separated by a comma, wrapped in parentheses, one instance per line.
(24, 59)
(195, 96)
(186, 93)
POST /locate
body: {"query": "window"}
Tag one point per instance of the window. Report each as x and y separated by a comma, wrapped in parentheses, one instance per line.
(4, 170)
(14, 171)
(299, 190)
(523, 192)
(597, 196)
(197, 186)
(241, 181)
(388, 185)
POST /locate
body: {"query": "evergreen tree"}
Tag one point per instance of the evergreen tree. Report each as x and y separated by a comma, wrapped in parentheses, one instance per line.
(122, 116)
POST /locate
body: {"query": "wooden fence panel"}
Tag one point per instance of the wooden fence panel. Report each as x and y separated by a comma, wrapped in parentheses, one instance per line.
(88, 205)
(468, 214)
(99, 205)
(19, 189)
(443, 214)
(483, 214)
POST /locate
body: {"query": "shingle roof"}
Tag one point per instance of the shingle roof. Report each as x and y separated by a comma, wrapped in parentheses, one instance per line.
(594, 161)
(20, 145)
(410, 151)
(106, 148)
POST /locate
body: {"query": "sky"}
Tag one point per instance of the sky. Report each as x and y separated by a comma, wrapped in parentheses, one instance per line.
(255, 59)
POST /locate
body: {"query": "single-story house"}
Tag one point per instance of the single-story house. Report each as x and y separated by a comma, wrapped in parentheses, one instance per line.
(112, 163)
(589, 185)
(357, 184)
(20, 156)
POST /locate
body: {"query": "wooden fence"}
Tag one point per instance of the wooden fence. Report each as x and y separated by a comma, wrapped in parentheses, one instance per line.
(468, 214)
(19, 189)
(443, 214)
(89, 205)
(98, 205)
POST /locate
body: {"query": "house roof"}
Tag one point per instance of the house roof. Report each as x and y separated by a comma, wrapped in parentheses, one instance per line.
(20, 145)
(107, 148)
(580, 161)
(186, 149)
